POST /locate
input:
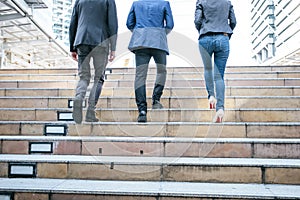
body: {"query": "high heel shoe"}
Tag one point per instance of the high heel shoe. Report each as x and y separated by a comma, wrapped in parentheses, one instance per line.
(212, 102)
(219, 116)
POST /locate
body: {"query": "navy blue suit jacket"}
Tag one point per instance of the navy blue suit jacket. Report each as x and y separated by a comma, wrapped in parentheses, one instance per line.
(150, 21)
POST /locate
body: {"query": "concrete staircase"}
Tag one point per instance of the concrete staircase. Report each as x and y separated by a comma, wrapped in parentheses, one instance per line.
(178, 155)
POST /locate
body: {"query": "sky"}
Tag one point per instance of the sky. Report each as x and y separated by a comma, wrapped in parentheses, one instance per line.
(183, 14)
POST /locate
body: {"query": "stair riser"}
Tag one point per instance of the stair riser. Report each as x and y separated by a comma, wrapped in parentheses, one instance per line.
(127, 77)
(146, 148)
(37, 92)
(201, 83)
(228, 69)
(158, 116)
(160, 130)
(62, 196)
(170, 76)
(200, 103)
(38, 71)
(175, 92)
(150, 83)
(38, 84)
(139, 172)
(50, 77)
(153, 69)
(176, 76)
(86, 196)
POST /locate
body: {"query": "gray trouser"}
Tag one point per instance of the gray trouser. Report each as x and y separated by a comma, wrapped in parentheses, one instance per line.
(100, 59)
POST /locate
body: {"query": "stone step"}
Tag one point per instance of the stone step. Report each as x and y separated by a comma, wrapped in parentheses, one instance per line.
(168, 91)
(38, 77)
(66, 189)
(39, 71)
(152, 76)
(163, 115)
(152, 129)
(192, 75)
(200, 82)
(152, 69)
(50, 92)
(233, 102)
(152, 146)
(169, 83)
(197, 69)
(128, 168)
(71, 84)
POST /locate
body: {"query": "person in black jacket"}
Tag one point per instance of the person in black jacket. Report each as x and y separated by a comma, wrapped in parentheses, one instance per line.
(92, 34)
(215, 21)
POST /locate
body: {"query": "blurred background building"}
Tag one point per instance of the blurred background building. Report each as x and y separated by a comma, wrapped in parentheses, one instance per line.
(275, 31)
(26, 36)
(61, 15)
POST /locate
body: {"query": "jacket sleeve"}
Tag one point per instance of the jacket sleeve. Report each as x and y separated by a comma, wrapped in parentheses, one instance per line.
(231, 17)
(131, 20)
(112, 24)
(198, 15)
(169, 19)
(73, 28)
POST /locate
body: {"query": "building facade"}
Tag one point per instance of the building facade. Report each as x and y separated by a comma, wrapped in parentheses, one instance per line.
(275, 31)
(61, 16)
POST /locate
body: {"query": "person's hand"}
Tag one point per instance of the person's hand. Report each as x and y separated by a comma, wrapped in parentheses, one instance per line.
(74, 56)
(112, 56)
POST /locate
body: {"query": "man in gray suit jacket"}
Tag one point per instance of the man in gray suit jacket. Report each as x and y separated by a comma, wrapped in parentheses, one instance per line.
(93, 34)
(150, 21)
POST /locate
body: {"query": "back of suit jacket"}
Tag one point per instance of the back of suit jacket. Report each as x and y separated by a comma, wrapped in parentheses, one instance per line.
(213, 16)
(93, 22)
(150, 21)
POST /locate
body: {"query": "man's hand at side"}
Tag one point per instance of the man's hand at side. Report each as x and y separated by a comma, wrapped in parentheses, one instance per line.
(74, 56)
(112, 56)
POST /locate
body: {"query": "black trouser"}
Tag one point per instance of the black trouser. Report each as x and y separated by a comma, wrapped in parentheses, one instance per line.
(142, 58)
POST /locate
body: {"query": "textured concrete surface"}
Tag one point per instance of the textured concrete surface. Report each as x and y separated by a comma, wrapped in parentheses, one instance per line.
(150, 188)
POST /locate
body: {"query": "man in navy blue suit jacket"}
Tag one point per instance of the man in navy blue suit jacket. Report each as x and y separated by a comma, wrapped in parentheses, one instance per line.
(150, 21)
(92, 34)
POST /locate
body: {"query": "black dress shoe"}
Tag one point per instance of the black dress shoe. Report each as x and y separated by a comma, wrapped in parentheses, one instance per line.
(142, 117)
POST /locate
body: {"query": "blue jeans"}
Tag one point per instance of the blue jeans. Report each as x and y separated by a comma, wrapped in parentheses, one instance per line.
(216, 45)
(142, 59)
(100, 58)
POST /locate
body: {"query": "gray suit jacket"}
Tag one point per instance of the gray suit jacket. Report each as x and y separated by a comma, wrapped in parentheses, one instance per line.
(212, 16)
(93, 22)
(150, 21)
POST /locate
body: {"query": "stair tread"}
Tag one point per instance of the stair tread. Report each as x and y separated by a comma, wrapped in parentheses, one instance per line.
(140, 160)
(164, 97)
(72, 73)
(169, 88)
(152, 139)
(177, 79)
(150, 188)
(160, 110)
(162, 123)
